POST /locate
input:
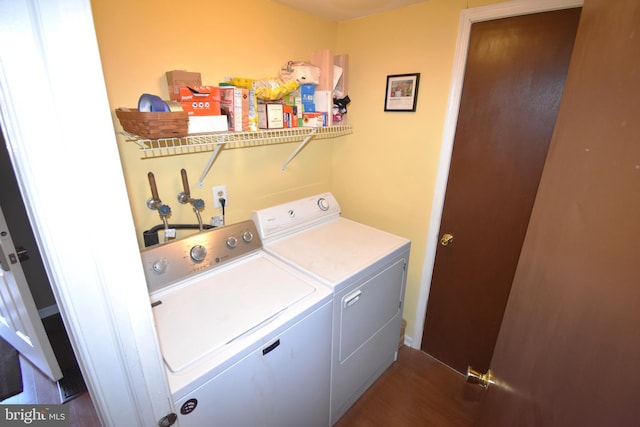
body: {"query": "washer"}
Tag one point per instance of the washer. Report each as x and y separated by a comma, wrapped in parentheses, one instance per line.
(366, 269)
(245, 338)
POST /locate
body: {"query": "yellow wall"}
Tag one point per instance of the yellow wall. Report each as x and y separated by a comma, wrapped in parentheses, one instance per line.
(139, 41)
(383, 174)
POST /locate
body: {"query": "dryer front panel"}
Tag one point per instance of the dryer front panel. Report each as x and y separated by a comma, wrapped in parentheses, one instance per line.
(367, 308)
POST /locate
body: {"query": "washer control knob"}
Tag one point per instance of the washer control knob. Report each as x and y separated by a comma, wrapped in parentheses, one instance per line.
(232, 242)
(247, 236)
(323, 204)
(198, 253)
(160, 265)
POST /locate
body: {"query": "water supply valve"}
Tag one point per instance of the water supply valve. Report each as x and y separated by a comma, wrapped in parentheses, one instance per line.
(154, 203)
(198, 204)
(164, 211)
(185, 197)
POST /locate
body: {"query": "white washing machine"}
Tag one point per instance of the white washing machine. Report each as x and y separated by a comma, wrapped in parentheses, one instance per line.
(365, 267)
(245, 338)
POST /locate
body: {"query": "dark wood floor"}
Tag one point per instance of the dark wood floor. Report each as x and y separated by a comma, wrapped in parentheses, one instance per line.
(416, 391)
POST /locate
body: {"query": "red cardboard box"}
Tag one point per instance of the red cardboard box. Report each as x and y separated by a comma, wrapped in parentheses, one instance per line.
(200, 100)
(290, 116)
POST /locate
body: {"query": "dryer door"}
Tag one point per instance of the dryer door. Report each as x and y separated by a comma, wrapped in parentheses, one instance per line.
(367, 319)
(367, 308)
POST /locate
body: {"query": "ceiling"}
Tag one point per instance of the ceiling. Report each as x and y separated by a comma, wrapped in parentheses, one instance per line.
(345, 10)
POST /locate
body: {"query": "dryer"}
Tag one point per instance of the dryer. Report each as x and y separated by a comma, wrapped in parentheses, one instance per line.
(366, 268)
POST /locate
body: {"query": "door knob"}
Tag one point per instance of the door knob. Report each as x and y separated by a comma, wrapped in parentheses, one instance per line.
(446, 239)
(475, 377)
(168, 420)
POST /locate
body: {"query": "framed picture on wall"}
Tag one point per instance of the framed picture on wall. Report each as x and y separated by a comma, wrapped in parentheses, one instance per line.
(402, 92)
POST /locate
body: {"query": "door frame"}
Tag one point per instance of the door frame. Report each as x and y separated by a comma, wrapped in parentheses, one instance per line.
(65, 157)
(467, 18)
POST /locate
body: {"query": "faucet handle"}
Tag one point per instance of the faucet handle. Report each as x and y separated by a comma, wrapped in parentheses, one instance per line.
(198, 204)
(184, 197)
(185, 182)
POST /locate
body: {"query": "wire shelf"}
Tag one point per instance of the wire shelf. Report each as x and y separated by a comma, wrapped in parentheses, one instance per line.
(199, 143)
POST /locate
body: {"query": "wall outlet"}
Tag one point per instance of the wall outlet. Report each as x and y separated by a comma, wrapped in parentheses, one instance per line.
(220, 191)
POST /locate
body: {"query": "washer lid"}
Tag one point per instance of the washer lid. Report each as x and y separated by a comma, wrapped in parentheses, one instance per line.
(201, 315)
(336, 250)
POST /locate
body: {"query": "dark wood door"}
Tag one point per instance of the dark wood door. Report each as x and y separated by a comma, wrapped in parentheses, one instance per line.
(514, 78)
(569, 347)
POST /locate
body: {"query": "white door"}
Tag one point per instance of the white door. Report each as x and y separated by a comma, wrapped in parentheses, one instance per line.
(20, 323)
(105, 309)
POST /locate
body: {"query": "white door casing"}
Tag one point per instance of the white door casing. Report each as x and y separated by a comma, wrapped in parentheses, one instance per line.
(60, 138)
(20, 323)
(467, 18)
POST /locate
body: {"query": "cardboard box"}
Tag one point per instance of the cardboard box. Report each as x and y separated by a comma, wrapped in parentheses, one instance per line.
(290, 116)
(177, 78)
(323, 59)
(323, 100)
(201, 108)
(295, 100)
(205, 124)
(227, 105)
(234, 102)
(200, 100)
(313, 120)
(270, 115)
(306, 92)
(208, 93)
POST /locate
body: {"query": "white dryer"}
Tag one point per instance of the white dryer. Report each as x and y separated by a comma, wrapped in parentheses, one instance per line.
(365, 267)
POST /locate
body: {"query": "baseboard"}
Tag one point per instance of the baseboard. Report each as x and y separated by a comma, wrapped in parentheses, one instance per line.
(408, 341)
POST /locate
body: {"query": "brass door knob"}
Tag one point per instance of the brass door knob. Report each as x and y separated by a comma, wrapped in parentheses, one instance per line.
(475, 377)
(446, 239)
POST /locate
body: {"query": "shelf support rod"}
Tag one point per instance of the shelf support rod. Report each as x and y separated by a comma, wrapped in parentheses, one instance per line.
(300, 147)
(212, 159)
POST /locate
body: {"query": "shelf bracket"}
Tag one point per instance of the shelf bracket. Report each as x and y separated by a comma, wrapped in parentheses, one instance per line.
(212, 159)
(300, 147)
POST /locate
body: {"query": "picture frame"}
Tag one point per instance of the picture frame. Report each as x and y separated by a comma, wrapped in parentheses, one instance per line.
(402, 92)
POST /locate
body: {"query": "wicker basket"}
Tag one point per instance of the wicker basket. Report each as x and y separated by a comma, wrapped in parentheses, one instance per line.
(154, 125)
